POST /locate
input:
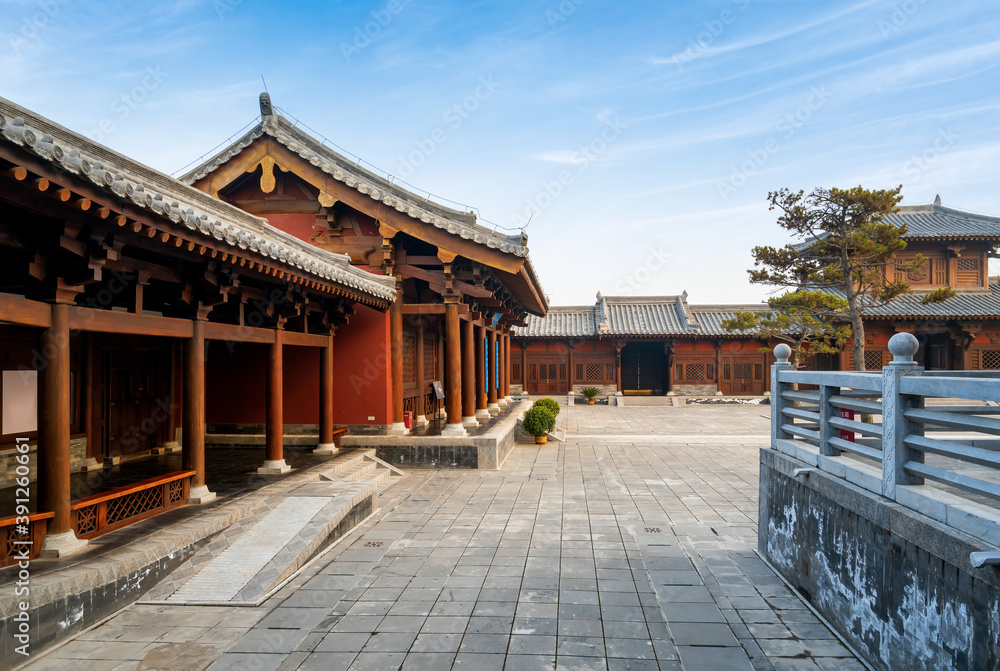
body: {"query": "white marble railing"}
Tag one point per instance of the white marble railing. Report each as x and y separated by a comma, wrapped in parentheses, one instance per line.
(878, 431)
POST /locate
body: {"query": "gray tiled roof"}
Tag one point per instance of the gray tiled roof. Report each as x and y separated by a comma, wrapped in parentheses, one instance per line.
(966, 305)
(623, 316)
(648, 315)
(710, 317)
(376, 187)
(937, 221)
(164, 196)
(564, 322)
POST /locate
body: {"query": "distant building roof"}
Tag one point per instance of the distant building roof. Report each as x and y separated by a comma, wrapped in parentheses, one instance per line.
(966, 305)
(636, 316)
(932, 221)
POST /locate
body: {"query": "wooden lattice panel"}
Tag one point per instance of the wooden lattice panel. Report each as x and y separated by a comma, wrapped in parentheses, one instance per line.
(990, 359)
(968, 271)
(14, 538)
(430, 371)
(409, 359)
(694, 371)
(86, 520)
(137, 503)
(594, 372)
(175, 492)
(873, 359)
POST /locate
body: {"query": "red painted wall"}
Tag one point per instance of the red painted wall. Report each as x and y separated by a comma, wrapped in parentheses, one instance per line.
(299, 225)
(235, 384)
(361, 380)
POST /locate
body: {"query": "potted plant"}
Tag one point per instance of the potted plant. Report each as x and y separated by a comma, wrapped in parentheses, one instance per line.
(549, 404)
(538, 421)
(590, 393)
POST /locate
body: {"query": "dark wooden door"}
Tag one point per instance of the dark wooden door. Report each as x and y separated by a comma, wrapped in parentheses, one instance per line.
(644, 367)
(134, 384)
(743, 375)
(548, 375)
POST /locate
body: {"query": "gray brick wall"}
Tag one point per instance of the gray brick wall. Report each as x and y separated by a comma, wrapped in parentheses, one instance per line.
(78, 455)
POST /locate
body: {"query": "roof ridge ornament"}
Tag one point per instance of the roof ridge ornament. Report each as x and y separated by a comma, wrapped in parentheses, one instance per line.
(937, 200)
(266, 111)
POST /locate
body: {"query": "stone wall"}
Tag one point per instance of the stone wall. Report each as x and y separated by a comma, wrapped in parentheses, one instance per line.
(695, 389)
(78, 456)
(897, 584)
(605, 389)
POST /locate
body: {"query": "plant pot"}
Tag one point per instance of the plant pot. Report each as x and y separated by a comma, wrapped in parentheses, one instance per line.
(590, 401)
(541, 440)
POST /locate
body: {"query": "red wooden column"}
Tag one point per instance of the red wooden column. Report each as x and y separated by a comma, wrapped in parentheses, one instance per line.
(274, 461)
(618, 366)
(502, 357)
(53, 437)
(453, 371)
(396, 365)
(87, 409)
(506, 366)
(481, 374)
(468, 375)
(420, 413)
(193, 413)
(491, 388)
(326, 443)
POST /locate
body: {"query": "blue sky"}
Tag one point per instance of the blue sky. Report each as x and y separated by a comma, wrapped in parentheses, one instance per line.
(640, 138)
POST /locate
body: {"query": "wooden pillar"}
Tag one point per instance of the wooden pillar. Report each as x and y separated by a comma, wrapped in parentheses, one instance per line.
(171, 444)
(274, 461)
(53, 436)
(618, 366)
(453, 369)
(718, 367)
(87, 404)
(468, 375)
(504, 393)
(396, 365)
(572, 364)
(481, 373)
(508, 366)
(326, 443)
(419, 411)
(491, 387)
(193, 413)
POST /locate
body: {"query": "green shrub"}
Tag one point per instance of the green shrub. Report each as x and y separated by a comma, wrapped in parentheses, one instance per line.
(549, 404)
(590, 392)
(538, 421)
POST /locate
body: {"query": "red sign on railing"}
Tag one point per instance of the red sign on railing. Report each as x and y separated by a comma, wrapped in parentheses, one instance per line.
(845, 413)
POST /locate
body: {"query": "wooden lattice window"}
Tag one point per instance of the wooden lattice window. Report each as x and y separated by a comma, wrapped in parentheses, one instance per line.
(532, 372)
(758, 371)
(873, 359)
(990, 359)
(430, 371)
(679, 371)
(710, 371)
(515, 373)
(594, 372)
(694, 371)
(968, 272)
(563, 369)
(409, 359)
(610, 371)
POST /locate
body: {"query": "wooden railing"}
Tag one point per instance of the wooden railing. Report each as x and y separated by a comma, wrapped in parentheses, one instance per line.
(882, 422)
(107, 511)
(22, 541)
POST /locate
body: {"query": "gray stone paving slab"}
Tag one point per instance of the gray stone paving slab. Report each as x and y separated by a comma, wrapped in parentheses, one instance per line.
(627, 547)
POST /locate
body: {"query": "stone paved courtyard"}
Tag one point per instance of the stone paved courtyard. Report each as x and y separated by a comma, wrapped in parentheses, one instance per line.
(631, 546)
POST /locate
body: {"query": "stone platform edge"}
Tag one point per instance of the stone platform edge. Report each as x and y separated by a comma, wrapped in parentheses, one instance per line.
(488, 451)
